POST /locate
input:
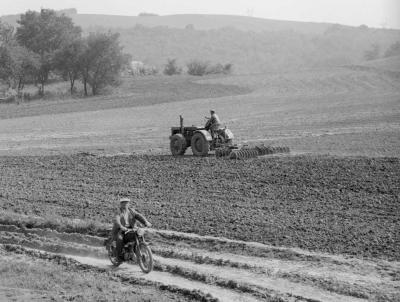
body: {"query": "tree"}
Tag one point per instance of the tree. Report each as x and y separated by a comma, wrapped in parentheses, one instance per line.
(67, 61)
(102, 61)
(6, 34)
(172, 67)
(17, 66)
(44, 33)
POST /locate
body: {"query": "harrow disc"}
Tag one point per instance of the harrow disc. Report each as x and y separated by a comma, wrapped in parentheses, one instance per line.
(223, 152)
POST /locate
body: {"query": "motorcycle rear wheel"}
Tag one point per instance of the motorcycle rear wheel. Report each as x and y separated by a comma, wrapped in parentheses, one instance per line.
(145, 258)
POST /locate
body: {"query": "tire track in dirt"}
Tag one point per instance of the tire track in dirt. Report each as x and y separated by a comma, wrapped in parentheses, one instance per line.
(256, 283)
(127, 271)
(309, 275)
(169, 279)
(126, 283)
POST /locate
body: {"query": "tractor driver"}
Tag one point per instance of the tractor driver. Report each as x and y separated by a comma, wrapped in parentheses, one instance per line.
(126, 218)
(214, 123)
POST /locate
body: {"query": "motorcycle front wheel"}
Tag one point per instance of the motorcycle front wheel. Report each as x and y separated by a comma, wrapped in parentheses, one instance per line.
(145, 258)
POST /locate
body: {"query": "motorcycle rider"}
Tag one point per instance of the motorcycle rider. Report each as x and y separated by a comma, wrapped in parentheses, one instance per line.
(214, 123)
(126, 218)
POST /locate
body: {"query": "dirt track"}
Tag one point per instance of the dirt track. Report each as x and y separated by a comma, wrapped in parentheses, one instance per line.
(190, 261)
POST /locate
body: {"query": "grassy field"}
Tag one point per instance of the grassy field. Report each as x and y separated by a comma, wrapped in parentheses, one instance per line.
(133, 92)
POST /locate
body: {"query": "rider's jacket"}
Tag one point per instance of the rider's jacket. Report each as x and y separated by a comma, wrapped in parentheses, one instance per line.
(214, 122)
(128, 219)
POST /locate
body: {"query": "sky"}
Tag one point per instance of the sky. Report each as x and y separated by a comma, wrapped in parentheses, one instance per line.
(373, 13)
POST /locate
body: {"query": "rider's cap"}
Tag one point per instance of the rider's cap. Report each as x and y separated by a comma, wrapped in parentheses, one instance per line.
(212, 110)
(124, 200)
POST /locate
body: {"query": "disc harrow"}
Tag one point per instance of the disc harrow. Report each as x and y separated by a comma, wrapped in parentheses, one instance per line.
(223, 152)
(249, 152)
(265, 150)
(244, 153)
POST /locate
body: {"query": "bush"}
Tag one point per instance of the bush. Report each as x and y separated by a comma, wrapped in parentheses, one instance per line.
(215, 69)
(372, 53)
(219, 68)
(393, 50)
(197, 68)
(172, 67)
(148, 70)
(228, 68)
(200, 68)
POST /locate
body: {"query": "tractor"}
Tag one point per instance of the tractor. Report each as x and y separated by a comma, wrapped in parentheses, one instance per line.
(200, 139)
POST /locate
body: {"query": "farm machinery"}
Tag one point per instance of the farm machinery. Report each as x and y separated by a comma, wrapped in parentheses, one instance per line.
(202, 140)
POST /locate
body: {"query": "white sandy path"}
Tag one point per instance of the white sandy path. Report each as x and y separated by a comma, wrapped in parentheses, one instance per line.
(278, 285)
(351, 261)
(168, 279)
(365, 275)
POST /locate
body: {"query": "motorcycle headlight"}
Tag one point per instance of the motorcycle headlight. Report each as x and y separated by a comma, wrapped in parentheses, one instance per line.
(140, 232)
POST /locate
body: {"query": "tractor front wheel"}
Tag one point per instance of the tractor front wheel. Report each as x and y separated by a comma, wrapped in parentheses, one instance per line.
(200, 145)
(178, 144)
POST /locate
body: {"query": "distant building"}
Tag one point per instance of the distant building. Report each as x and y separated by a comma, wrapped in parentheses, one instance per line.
(136, 67)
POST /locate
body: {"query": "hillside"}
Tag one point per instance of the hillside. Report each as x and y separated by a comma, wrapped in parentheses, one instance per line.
(252, 52)
(386, 64)
(252, 45)
(200, 22)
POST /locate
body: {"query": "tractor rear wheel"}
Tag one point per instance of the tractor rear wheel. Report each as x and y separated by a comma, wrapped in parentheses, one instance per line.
(200, 145)
(177, 144)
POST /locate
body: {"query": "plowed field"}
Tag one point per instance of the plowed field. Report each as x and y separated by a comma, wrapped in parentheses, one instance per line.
(337, 205)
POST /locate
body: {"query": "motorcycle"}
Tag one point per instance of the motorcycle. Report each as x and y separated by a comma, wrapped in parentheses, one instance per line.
(136, 249)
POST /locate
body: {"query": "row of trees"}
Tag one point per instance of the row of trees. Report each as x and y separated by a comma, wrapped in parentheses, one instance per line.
(197, 68)
(47, 44)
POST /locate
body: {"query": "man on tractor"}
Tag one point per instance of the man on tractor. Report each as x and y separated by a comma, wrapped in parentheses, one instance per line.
(213, 124)
(126, 218)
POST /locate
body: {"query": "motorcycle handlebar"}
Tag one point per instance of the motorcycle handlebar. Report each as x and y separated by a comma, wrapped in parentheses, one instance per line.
(131, 230)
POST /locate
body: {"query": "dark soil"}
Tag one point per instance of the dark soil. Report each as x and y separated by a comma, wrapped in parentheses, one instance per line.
(336, 205)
